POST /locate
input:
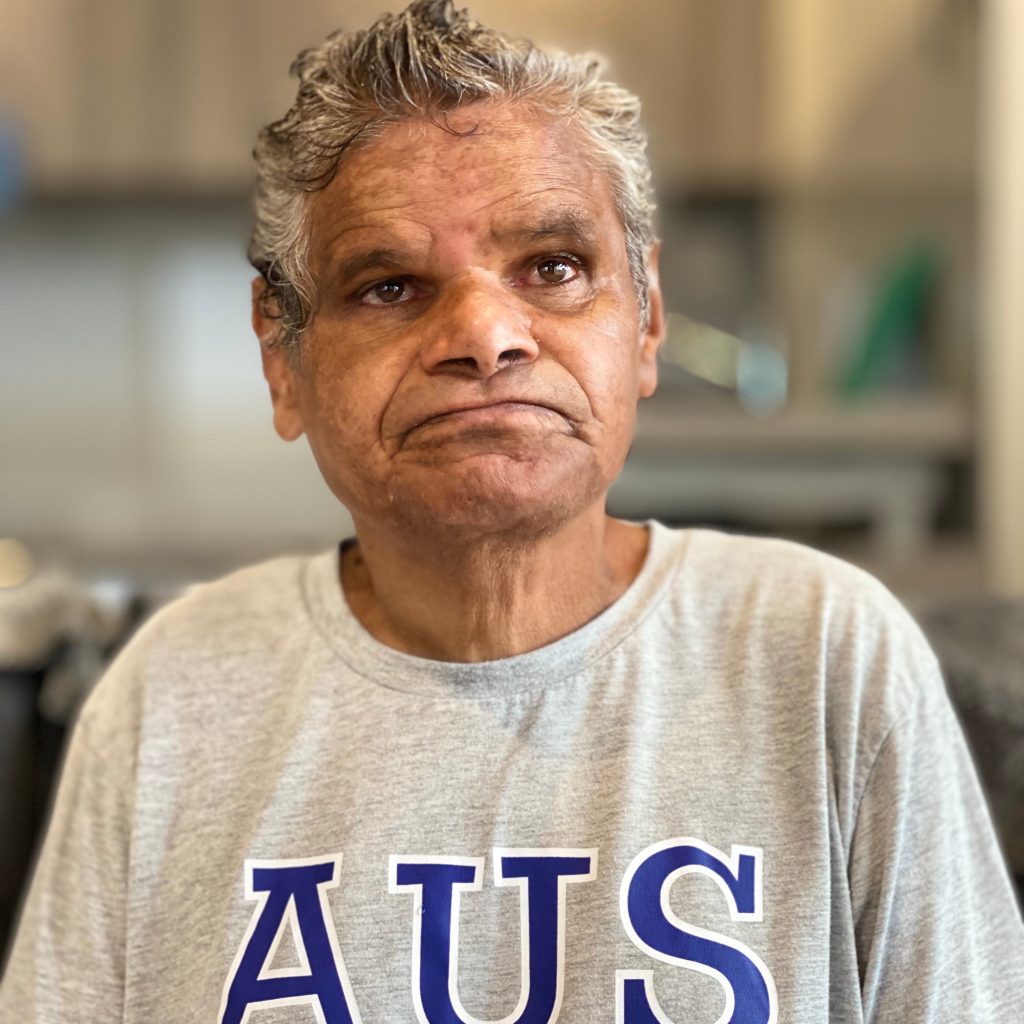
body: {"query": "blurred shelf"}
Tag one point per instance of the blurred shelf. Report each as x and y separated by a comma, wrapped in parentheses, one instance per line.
(767, 186)
(932, 427)
(883, 464)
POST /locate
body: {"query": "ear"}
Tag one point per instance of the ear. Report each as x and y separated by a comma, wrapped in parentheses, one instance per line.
(278, 368)
(654, 335)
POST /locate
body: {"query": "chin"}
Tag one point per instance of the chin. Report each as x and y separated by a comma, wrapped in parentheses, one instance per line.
(494, 495)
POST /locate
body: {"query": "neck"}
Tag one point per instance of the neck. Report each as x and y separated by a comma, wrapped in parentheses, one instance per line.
(488, 597)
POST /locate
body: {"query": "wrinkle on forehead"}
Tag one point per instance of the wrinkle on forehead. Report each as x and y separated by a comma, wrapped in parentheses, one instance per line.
(541, 212)
(378, 185)
(556, 201)
(365, 246)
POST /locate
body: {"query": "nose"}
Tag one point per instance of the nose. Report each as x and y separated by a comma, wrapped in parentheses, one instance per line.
(477, 331)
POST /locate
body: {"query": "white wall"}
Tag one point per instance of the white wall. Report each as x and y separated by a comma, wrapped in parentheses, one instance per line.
(134, 422)
(1002, 256)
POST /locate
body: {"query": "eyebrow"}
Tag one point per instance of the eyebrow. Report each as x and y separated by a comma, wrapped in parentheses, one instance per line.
(569, 222)
(369, 259)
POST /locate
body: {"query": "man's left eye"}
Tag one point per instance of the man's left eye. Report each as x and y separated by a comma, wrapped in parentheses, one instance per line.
(557, 269)
(387, 293)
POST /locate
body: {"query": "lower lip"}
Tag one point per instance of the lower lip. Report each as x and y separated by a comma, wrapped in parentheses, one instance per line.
(506, 419)
(504, 412)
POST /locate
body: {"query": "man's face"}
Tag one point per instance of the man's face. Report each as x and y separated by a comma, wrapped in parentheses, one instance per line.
(475, 358)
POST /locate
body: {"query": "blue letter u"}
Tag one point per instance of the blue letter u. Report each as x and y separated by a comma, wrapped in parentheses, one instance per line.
(437, 883)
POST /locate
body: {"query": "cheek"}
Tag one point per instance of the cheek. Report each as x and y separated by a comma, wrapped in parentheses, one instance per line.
(608, 370)
(347, 394)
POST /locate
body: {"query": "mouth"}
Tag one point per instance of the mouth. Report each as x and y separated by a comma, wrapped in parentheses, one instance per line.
(484, 411)
(492, 417)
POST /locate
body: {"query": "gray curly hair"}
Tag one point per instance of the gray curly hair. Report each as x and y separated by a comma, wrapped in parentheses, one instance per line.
(427, 60)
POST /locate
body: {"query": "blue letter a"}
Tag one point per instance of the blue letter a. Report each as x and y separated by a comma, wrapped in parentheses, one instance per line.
(290, 892)
(436, 882)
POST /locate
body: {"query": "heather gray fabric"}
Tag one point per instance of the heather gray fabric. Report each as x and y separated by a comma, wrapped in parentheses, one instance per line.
(742, 692)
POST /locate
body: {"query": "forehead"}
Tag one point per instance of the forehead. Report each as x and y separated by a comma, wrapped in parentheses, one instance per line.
(488, 167)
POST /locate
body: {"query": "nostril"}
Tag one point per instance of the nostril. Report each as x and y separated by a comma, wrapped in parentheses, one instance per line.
(512, 355)
(461, 362)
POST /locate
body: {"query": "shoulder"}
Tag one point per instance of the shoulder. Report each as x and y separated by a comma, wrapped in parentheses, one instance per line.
(810, 647)
(782, 577)
(231, 632)
(807, 616)
(235, 611)
(770, 564)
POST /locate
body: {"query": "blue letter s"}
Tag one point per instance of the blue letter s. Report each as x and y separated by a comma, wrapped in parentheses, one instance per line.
(650, 923)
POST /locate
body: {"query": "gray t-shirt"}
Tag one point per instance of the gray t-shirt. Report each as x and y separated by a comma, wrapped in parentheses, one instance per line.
(738, 794)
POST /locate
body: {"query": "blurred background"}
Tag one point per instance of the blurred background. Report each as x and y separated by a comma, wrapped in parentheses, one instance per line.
(843, 224)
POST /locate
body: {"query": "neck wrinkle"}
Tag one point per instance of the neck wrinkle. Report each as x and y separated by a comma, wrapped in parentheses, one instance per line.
(492, 598)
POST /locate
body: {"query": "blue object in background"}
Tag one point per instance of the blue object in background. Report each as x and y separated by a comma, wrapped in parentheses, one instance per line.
(12, 164)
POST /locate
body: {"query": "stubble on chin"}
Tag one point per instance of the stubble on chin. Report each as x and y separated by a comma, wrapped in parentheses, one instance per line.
(519, 496)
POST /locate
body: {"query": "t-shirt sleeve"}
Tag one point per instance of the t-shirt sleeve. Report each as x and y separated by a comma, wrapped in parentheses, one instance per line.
(938, 932)
(67, 963)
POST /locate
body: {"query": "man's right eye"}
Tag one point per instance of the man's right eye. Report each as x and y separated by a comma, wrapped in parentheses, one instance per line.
(386, 293)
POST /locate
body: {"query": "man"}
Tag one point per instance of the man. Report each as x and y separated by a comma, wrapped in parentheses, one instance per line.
(502, 757)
